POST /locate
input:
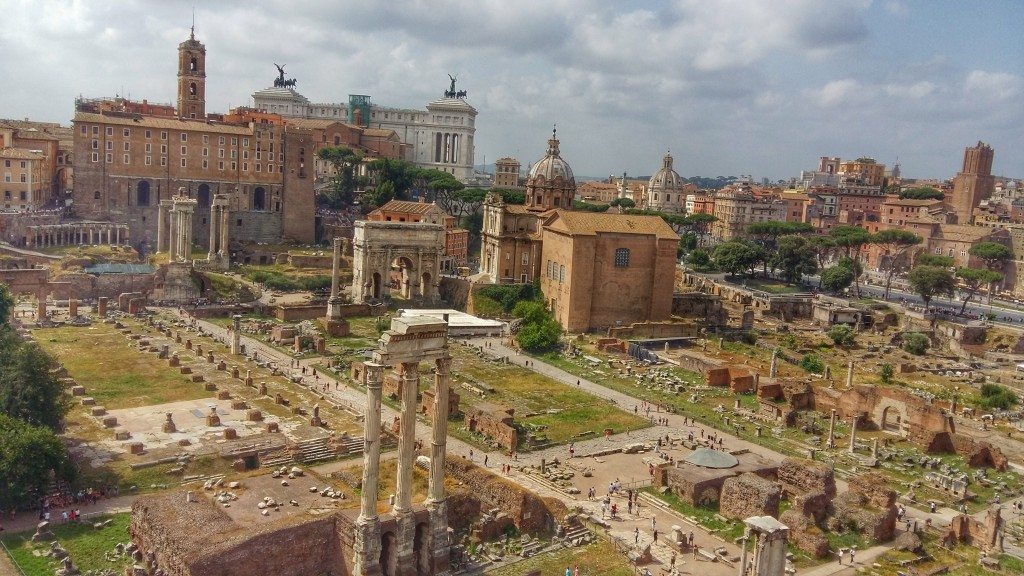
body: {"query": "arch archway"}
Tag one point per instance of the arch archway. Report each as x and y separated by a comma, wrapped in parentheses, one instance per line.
(203, 195)
(403, 276)
(388, 555)
(426, 285)
(892, 419)
(259, 198)
(375, 288)
(142, 193)
(420, 549)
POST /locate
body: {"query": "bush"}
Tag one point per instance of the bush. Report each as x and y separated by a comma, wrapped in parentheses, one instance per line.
(994, 396)
(841, 334)
(887, 373)
(813, 364)
(508, 295)
(915, 343)
(836, 278)
(539, 332)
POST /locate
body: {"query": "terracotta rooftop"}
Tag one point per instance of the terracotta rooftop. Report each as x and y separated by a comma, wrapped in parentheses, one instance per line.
(407, 207)
(963, 232)
(162, 122)
(591, 223)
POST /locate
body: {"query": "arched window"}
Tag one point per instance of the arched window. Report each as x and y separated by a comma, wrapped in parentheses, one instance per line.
(96, 195)
(193, 65)
(259, 198)
(621, 257)
(192, 88)
(142, 193)
(204, 194)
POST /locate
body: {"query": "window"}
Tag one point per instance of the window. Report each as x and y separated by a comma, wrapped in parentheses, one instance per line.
(163, 135)
(127, 132)
(561, 273)
(110, 144)
(149, 134)
(85, 130)
(127, 158)
(234, 141)
(127, 145)
(526, 259)
(220, 140)
(270, 167)
(206, 151)
(220, 165)
(184, 150)
(23, 180)
(95, 130)
(220, 153)
(149, 160)
(206, 138)
(110, 130)
(245, 142)
(163, 161)
(95, 156)
(184, 137)
(245, 166)
(110, 158)
(183, 163)
(95, 144)
(621, 257)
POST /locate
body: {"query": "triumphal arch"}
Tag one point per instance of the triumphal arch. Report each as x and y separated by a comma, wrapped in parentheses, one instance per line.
(401, 256)
(406, 542)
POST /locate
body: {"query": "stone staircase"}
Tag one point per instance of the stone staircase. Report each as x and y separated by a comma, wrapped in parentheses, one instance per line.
(314, 450)
(352, 445)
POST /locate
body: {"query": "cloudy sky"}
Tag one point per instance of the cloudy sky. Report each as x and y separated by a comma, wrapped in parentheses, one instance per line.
(729, 86)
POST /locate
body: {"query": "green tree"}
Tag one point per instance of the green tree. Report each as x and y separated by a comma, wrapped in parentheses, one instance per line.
(931, 281)
(737, 256)
(994, 396)
(995, 256)
(699, 259)
(974, 279)
(589, 206)
(835, 279)
(381, 195)
(399, 173)
(813, 364)
(700, 224)
(895, 246)
(795, 256)
(623, 202)
(29, 391)
(824, 249)
(511, 196)
(842, 335)
(343, 185)
(767, 234)
(851, 240)
(6, 303)
(937, 260)
(915, 343)
(887, 373)
(31, 457)
(922, 193)
(539, 332)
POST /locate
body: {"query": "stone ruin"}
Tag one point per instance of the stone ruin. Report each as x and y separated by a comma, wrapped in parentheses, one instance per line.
(869, 506)
(984, 534)
(496, 423)
(749, 495)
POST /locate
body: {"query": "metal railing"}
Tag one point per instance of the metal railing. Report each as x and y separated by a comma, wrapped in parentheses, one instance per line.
(11, 556)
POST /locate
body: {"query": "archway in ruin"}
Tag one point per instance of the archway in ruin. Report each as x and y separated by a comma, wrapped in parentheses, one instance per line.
(376, 286)
(405, 256)
(402, 275)
(420, 549)
(388, 555)
(892, 420)
(425, 280)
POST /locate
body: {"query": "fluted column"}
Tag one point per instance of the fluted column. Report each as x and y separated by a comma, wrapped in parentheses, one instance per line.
(367, 543)
(437, 503)
(161, 226)
(225, 226)
(214, 236)
(405, 534)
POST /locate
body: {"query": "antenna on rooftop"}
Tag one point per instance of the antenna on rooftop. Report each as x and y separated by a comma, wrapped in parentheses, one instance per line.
(192, 31)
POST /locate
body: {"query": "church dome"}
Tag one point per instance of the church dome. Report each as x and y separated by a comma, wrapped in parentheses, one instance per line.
(666, 178)
(551, 166)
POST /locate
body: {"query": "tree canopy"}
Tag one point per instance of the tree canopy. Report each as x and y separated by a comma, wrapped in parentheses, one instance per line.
(922, 193)
(895, 245)
(931, 281)
(929, 259)
(6, 303)
(539, 332)
(737, 256)
(993, 254)
(974, 279)
(795, 257)
(836, 278)
(29, 391)
(28, 456)
(623, 202)
(343, 185)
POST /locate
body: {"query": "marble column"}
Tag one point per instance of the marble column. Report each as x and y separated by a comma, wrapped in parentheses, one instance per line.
(853, 434)
(214, 235)
(775, 365)
(236, 334)
(334, 302)
(402, 509)
(367, 543)
(849, 374)
(161, 226)
(437, 503)
(172, 238)
(225, 227)
(831, 431)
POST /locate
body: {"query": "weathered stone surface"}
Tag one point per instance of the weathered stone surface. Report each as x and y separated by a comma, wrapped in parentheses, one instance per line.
(749, 495)
(804, 534)
(799, 476)
(908, 542)
(869, 505)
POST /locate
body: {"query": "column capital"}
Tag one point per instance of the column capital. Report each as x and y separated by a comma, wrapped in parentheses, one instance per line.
(443, 364)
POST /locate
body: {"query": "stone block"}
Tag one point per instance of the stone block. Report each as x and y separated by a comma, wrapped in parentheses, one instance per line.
(239, 404)
(198, 378)
(185, 370)
(88, 401)
(254, 415)
(122, 434)
(109, 421)
(222, 365)
(78, 390)
(749, 495)
(230, 434)
(223, 395)
(272, 427)
(98, 411)
(136, 448)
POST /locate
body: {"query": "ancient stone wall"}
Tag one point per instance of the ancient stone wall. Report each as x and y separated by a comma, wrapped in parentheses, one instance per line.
(652, 329)
(296, 313)
(870, 505)
(455, 291)
(804, 534)
(749, 495)
(799, 476)
(706, 308)
(530, 513)
(981, 533)
(494, 423)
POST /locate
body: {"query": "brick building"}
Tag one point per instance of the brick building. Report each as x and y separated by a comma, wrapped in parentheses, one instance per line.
(372, 143)
(128, 162)
(973, 183)
(736, 207)
(25, 186)
(456, 240)
(506, 173)
(45, 150)
(603, 269)
(510, 239)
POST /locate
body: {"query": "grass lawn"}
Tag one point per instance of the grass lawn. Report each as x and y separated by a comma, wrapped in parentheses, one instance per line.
(594, 559)
(553, 409)
(117, 376)
(85, 545)
(770, 286)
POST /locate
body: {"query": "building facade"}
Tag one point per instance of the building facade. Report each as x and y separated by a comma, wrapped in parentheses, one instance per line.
(47, 146)
(666, 191)
(736, 207)
(604, 269)
(974, 182)
(506, 173)
(456, 240)
(439, 137)
(510, 239)
(128, 163)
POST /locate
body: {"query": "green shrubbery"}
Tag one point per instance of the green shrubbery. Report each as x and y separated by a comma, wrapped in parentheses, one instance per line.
(915, 343)
(507, 295)
(278, 281)
(539, 332)
(841, 335)
(812, 363)
(995, 396)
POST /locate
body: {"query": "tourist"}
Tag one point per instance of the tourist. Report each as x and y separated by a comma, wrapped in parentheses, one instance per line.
(615, 509)
(696, 550)
(470, 454)
(852, 552)
(576, 572)
(568, 572)
(654, 523)
(841, 552)
(636, 535)
(485, 459)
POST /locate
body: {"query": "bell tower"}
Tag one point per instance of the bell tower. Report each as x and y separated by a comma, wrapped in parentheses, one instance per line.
(192, 78)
